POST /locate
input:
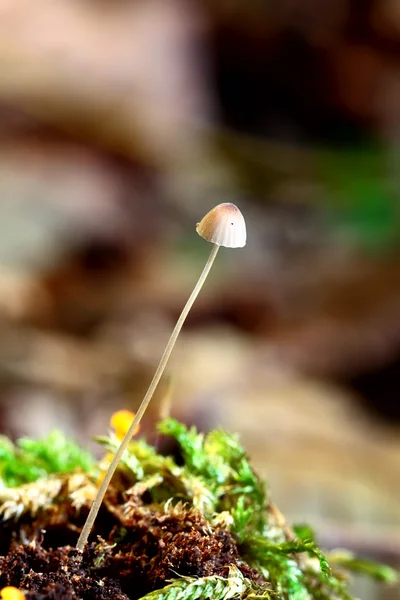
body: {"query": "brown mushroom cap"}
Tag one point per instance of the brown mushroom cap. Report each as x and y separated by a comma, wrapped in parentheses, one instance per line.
(224, 225)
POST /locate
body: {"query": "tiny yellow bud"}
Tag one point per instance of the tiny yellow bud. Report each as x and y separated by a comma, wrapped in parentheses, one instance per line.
(11, 593)
(121, 421)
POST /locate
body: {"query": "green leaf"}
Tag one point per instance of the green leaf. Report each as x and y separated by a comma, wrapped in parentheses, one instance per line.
(262, 550)
(303, 531)
(235, 586)
(347, 560)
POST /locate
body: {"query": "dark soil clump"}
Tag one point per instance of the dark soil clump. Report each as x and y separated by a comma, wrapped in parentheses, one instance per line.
(140, 550)
(55, 575)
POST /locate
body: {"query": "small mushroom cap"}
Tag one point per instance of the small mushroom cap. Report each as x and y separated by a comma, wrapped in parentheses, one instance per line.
(121, 421)
(224, 225)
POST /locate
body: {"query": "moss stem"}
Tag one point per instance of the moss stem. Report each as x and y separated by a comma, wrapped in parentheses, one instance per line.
(145, 402)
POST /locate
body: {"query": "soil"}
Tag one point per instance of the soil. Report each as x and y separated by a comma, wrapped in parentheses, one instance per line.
(137, 549)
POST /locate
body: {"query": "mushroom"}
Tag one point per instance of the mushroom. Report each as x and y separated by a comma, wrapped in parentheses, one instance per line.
(224, 225)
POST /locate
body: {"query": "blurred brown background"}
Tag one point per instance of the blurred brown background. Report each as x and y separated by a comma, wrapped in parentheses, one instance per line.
(121, 125)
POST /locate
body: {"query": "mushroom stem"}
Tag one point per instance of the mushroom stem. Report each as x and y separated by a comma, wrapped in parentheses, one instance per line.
(145, 402)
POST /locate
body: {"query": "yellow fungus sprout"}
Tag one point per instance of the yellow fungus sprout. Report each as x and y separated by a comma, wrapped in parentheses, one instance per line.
(121, 421)
(11, 593)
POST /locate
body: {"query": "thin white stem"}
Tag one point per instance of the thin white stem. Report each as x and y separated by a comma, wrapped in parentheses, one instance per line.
(145, 402)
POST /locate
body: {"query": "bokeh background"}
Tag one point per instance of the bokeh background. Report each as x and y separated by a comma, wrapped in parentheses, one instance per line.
(121, 125)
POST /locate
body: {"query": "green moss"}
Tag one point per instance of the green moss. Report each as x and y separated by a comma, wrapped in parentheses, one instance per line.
(215, 476)
(235, 586)
(28, 460)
